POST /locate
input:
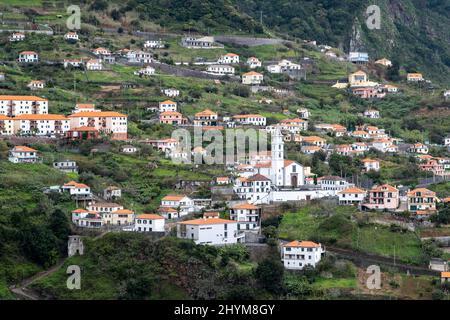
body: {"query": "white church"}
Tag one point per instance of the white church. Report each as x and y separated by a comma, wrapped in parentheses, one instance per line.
(271, 179)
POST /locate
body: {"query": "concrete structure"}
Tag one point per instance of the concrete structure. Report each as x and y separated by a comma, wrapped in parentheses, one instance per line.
(75, 246)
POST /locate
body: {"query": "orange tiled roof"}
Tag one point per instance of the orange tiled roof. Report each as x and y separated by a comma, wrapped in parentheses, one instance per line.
(41, 117)
(424, 191)
(173, 197)
(23, 149)
(22, 98)
(98, 114)
(206, 112)
(252, 73)
(352, 190)
(122, 211)
(168, 102)
(302, 244)
(247, 206)
(149, 216)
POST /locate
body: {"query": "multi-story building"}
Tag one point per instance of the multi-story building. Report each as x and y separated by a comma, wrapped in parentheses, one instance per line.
(213, 231)
(66, 166)
(383, 197)
(247, 215)
(172, 117)
(167, 105)
(250, 119)
(77, 189)
(421, 199)
(206, 118)
(371, 164)
(220, 69)
(229, 58)
(107, 122)
(6, 125)
(252, 77)
(253, 62)
(351, 196)
(50, 125)
(414, 77)
(181, 203)
(15, 105)
(255, 189)
(297, 255)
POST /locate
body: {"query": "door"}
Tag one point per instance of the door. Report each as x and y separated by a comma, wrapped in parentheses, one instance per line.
(294, 180)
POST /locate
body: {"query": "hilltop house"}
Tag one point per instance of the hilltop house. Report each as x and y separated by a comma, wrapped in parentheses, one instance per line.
(383, 197)
(414, 77)
(36, 84)
(17, 36)
(212, 231)
(296, 255)
(371, 165)
(253, 62)
(66, 166)
(146, 71)
(149, 223)
(28, 57)
(101, 52)
(94, 65)
(229, 58)
(372, 114)
(112, 193)
(384, 62)
(172, 117)
(77, 189)
(167, 105)
(23, 154)
(139, 56)
(170, 92)
(252, 77)
(358, 57)
(154, 44)
(71, 36)
(200, 43)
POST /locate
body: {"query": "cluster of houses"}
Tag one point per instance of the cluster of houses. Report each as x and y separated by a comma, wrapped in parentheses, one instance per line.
(28, 115)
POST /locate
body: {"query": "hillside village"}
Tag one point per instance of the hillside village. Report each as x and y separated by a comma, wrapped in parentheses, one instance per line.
(356, 159)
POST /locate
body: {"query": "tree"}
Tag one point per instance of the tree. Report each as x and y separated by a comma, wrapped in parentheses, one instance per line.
(269, 274)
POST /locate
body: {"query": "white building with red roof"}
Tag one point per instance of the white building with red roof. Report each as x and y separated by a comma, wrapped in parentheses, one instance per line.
(108, 122)
(28, 57)
(229, 58)
(181, 203)
(296, 255)
(17, 36)
(11, 105)
(149, 223)
(254, 62)
(371, 164)
(212, 231)
(76, 189)
(167, 105)
(50, 125)
(23, 154)
(352, 196)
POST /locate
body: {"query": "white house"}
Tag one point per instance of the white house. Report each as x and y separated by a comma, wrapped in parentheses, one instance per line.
(94, 64)
(17, 36)
(154, 44)
(112, 193)
(76, 63)
(229, 58)
(149, 223)
(351, 195)
(252, 77)
(296, 255)
(447, 141)
(146, 71)
(139, 56)
(418, 148)
(101, 52)
(303, 113)
(23, 154)
(247, 215)
(36, 84)
(41, 124)
(167, 105)
(372, 114)
(283, 66)
(250, 119)
(170, 92)
(371, 165)
(255, 189)
(220, 69)
(129, 149)
(71, 36)
(212, 231)
(254, 62)
(66, 166)
(28, 57)
(76, 189)
(184, 204)
(333, 183)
